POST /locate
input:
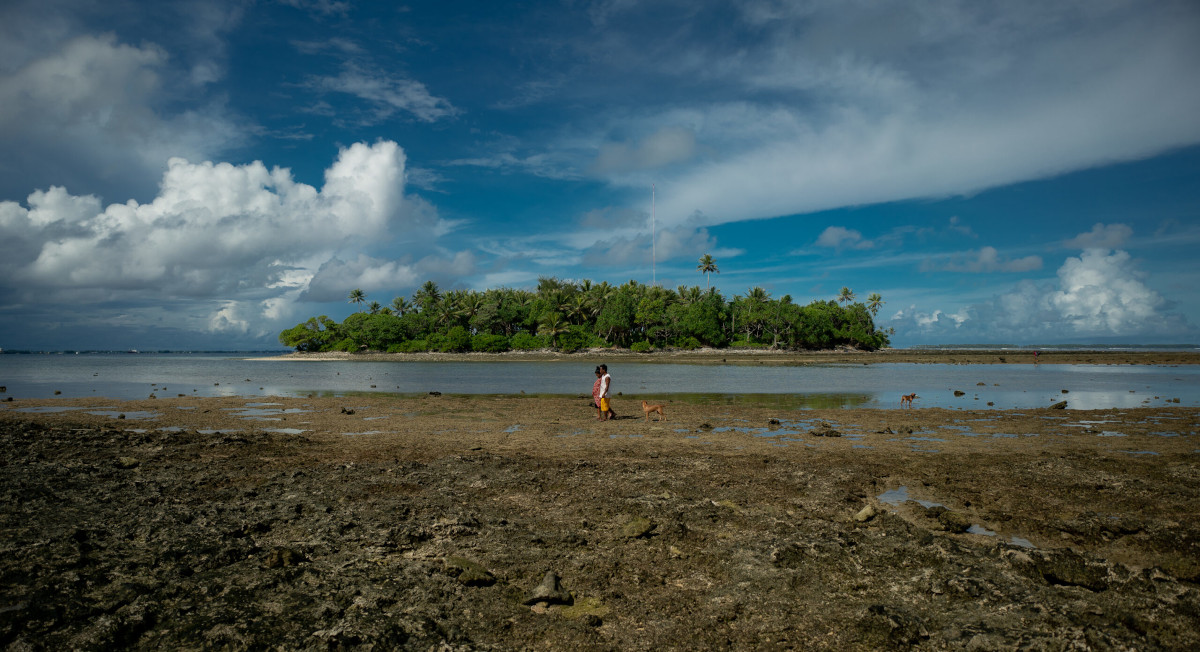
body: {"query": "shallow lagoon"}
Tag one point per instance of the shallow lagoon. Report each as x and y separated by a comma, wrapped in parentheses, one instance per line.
(128, 376)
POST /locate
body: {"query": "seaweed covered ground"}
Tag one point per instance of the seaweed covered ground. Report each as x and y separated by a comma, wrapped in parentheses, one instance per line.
(472, 522)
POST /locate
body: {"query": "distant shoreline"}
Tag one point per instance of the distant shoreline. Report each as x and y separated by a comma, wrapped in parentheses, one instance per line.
(760, 356)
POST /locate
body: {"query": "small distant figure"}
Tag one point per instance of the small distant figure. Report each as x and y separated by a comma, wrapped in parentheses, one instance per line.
(907, 399)
(606, 411)
(650, 409)
(596, 394)
(1035, 357)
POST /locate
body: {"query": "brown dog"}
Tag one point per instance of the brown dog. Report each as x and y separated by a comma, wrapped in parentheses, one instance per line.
(908, 398)
(647, 408)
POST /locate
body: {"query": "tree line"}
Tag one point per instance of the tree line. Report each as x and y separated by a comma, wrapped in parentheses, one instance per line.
(570, 316)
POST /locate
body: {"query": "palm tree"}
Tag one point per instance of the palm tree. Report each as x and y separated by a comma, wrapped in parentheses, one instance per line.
(579, 309)
(401, 306)
(375, 307)
(428, 296)
(846, 295)
(552, 326)
(447, 315)
(707, 267)
(874, 303)
(357, 296)
(469, 305)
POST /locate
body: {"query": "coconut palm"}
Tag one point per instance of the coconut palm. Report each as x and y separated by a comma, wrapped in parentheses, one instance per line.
(707, 266)
(874, 303)
(579, 309)
(357, 297)
(428, 296)
(469, 305)
(401, 306)
(552, 326)
(375, 307)
(846, 295)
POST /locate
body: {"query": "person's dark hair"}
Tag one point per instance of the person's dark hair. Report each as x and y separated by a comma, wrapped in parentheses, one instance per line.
(604, 367)
(597, 369)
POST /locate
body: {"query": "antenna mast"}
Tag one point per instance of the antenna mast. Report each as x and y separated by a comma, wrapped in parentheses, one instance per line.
(653, 253)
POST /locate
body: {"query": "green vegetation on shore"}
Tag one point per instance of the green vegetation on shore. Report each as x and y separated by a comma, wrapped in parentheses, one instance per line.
(568, 316)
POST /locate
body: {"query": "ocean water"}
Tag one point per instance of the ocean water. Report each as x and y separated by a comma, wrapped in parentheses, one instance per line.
(130, 376)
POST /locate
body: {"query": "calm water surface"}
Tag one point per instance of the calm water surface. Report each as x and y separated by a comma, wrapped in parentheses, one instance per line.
(134, 376)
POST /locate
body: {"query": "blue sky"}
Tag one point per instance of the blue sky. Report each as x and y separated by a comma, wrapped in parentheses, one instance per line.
(203, 174)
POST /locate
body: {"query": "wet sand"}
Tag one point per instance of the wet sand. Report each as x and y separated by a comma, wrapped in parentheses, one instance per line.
(431, 521)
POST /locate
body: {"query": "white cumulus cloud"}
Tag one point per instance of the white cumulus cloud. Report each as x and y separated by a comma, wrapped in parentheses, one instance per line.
(1102, 236)
(249, 240)
(1097, 294)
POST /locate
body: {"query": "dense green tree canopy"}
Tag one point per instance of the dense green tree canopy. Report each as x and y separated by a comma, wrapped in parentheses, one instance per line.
(571, 316)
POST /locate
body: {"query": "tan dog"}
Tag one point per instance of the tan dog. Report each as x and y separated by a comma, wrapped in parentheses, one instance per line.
(908, 398)
(647, 408)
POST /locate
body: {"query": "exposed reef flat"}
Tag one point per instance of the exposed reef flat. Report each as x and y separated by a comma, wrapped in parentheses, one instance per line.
(478, 522)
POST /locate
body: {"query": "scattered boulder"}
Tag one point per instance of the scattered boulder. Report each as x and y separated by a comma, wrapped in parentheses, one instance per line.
(346, 411)
(550, 591)
(468, 572)
(824, 430)
(959, 392)
(128, 462)
(1061, 405)
(283, 557)
(954, 521)
(637, 527)
(892, 626)
(589, 611)
(1069, 568)
(435, 393)
(865, 514)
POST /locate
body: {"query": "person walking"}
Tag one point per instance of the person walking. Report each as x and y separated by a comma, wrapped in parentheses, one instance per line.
(596, 394)
(606, 411)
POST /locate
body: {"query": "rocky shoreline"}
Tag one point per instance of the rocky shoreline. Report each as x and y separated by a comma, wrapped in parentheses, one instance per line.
(458, 522)
(767, 356)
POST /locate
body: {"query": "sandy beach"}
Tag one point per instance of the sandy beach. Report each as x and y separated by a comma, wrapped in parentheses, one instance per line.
(452, 522)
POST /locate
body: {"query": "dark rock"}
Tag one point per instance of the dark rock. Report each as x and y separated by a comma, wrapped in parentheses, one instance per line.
(1069, 568)
(887, 625)
(347, 411)
(470, 573)
(1061, 405)
(865, 514)
(550, 591)
(954, 521)
(959, 392)
(283, 557)
(637, 527)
